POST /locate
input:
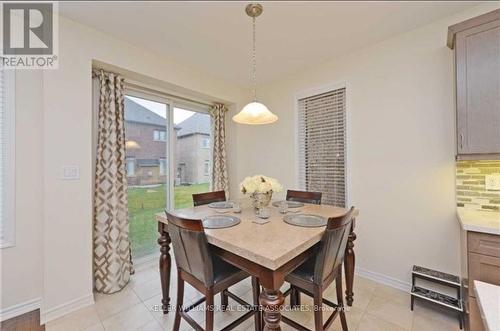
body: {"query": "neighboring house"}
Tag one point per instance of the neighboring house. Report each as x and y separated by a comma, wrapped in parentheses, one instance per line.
(193, 150)
(146, 136)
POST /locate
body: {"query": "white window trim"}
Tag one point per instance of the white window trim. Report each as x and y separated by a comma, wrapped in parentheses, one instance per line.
(312, 92)
(9, 194)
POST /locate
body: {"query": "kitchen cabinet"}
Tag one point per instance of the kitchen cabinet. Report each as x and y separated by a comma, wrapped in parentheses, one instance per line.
(476, 44)
(474, 322)
(480, 258)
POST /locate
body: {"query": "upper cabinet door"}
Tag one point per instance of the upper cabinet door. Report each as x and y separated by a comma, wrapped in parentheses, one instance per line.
(477, 56)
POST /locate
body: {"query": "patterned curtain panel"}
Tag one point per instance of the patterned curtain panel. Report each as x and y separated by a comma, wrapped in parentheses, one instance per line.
(220, 179)
(111, 242)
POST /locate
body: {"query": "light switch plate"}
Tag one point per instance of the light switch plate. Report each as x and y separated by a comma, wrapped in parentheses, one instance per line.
(70, 172)
(492, 182)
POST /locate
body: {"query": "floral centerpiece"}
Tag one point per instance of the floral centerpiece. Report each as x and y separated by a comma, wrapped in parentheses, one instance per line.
(260, 189)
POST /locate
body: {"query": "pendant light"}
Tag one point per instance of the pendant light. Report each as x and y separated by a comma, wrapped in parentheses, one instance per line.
(254, 113)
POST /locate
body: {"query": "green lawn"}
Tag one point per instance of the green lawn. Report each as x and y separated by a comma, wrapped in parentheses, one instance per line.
(144, 203)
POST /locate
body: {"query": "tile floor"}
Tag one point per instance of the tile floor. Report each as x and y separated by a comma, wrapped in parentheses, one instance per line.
(137, 307)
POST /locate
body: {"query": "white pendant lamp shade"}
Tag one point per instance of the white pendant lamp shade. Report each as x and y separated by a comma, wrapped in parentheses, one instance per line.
(255, 113)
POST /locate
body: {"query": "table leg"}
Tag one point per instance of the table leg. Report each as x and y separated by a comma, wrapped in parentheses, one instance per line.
(349, 267)
(272, 303)
(165, 266)
(256, 298)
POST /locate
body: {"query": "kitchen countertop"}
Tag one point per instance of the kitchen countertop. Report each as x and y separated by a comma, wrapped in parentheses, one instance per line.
(479, 221)
(488, 298)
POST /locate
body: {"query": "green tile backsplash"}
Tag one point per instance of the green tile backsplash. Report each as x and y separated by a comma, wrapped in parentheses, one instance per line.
(471, 190)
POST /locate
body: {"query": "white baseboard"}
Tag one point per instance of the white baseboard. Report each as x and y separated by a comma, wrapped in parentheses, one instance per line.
(19, 309)
(383, 279)
(66, 308)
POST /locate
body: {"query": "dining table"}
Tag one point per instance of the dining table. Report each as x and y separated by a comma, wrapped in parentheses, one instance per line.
(267, 251)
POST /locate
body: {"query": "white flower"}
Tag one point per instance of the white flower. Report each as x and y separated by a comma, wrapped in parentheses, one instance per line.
(265, 187)
(260, 184)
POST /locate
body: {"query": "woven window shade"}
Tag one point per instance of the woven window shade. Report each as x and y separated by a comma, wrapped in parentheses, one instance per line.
(322, 145)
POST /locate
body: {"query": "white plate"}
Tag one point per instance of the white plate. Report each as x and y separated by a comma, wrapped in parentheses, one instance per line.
(305, 220)
(291, 204)
(221, 205)
(220, 221)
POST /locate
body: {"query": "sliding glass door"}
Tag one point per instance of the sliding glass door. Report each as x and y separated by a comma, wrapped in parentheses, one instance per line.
(168, 158)
(147, 154)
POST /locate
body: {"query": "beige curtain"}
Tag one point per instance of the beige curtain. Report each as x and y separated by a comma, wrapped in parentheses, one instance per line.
(111, 242)
(220, 179)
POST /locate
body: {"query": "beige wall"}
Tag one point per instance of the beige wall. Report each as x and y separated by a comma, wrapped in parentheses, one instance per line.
(67, 208)
(21, 265)
(400, 147)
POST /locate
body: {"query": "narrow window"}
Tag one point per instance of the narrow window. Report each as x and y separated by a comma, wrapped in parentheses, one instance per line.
(206, 168)
(205, 143)
(322, 145)
(163, 167)
(130, 167)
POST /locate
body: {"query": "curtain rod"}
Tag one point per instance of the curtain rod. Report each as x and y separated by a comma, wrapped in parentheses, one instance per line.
(141, 88)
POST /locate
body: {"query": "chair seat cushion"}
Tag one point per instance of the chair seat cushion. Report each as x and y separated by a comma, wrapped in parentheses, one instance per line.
(304, 272)
(222, 269)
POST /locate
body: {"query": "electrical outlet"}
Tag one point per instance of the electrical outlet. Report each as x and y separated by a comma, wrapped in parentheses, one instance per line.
(492, 182)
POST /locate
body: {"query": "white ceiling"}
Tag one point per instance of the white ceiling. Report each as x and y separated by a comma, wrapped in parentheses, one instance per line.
(215, 37)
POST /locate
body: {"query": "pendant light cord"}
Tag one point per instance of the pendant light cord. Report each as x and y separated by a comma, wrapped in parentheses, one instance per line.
(254, 63)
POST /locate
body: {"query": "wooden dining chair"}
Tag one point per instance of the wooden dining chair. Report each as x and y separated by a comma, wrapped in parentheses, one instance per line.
(318, 272)
(304, 196)
(200, 199)
(208, 197)
(205, 271)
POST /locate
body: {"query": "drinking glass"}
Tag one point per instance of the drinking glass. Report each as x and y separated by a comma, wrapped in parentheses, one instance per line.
(283, 207)
(236, 207)
(264, 212)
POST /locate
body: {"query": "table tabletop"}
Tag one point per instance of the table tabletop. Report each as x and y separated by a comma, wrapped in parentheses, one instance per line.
(271, 244)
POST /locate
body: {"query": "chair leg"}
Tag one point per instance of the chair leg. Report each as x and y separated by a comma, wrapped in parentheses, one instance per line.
(318, 312)
(294, 297)
(256, 294)
(224, 300)
(209, 312)
(180, 301)
(340, 300)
